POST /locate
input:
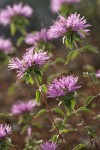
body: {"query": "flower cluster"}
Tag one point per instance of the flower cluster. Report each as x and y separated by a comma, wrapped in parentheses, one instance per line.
(48, 146)
(57, 4)
(7, 14)
(63, 86)
(29, 62)
(5, 45)
(73, 24)
(37, 37)
(22, 107)
(4, 130)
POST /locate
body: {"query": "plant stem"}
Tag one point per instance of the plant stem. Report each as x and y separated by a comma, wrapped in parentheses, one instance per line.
(49, 109)
(94, 88)
(82, 122)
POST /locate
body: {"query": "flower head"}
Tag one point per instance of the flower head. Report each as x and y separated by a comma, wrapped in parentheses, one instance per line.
(73, 24)
(57, 4)
(63, 86)
(98, 73)
(58, 28)
(37, 37)
(48, 146)
(5, 45)
(29, 61)
(7, 14)
(4, 130)
(22, 107)
(77, 24)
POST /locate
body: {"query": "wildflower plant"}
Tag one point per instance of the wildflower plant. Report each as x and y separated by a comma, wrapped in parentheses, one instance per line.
(64, 90)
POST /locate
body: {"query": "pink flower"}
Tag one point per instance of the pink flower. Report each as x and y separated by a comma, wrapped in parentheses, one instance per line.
(37, 37)
(56, 5)
(63, 86)
(49, 146)
(5, 45)
(7, 14)
(22, 107)
(74, 24)
(29, 61)
(4, 130)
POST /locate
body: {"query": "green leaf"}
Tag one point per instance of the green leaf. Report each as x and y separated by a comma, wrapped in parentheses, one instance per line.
(44, 88)
(94, 78)
(39, 78)
(73, 103)
(24, 129)
(11, 89)
(79, 147)
(55, 138)
(71, 56)
(64, 131)
(85, 109)
(29, 79)
(20, 41)
(89, 100)
(90, 68)
(59, 111)
(12, 29)
(41, 112)
(89, 48)
(91, 131)
(38, 95)
(59, 60)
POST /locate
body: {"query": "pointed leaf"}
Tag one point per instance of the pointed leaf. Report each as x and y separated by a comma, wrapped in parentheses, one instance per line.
(41, 112)
(91, 131)
(89, 100)
(38, 95)
(59, 111)
(71, 56)
(94, 78)
(85, 109)
(79, 147)
(89, 48)
(44, 88)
